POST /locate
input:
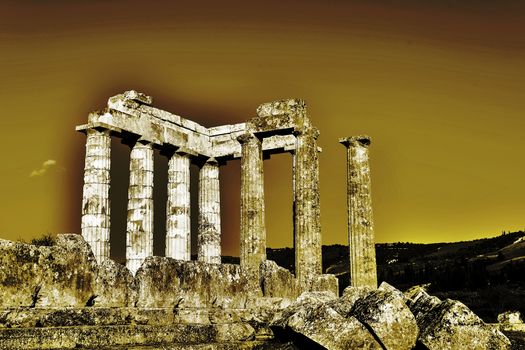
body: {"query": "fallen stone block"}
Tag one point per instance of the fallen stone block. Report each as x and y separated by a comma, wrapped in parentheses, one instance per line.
(511, 324)
(278, 282)
(384, 312)
(325, 283)
(420, 302)
(69, 272)
(323, 326)
(62, 275)
(114, 286)
(166, 282)
(451, 325)
(346, 302)
(20, 274)
(306, 299)
(510, 317)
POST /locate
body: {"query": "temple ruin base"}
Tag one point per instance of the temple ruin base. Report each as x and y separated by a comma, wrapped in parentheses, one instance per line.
(59, 297)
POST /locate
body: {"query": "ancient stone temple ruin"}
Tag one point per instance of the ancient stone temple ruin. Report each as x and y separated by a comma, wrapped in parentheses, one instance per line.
(281, 126)
(71, 295)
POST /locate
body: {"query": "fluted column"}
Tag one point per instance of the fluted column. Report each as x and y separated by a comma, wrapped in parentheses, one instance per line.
(253, 231)
(307, 226)
(209, 237)
(360, 219)
(178, 244)
(95, 198)
(139, 238)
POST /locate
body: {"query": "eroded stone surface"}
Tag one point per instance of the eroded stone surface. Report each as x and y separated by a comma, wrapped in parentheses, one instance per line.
(61, 275)
(320, 324)
(363, 269)
(384, 312)
(114, 286)
(178, 220)
(510, 317)
(306, 299)
(139, 225)
(307, 220)
(253, 230)
(451, 325)
(276, 281)
(165, 282)
(209, 237)
(345, 303)
(20, 274)
(95, 222)
(325, 283)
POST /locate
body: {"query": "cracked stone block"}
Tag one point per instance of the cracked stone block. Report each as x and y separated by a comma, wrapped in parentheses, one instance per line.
(62, 275)
(385, 313)
(451, 325)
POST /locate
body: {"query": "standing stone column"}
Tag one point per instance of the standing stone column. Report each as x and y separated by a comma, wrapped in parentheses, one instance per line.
(178, 243)
(253, 231)
(209, 237)
(307, 226)
(139, 238)
(95, 199)
(360, 220)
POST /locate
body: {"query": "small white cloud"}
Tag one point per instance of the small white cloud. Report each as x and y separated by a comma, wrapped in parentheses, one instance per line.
(44, 168)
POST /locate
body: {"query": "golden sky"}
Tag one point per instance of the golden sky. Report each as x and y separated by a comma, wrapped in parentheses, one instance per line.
(438, 85)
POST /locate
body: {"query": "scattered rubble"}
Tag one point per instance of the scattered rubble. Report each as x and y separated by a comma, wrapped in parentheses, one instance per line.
(449, 324)
(166, 294)
(510, 318)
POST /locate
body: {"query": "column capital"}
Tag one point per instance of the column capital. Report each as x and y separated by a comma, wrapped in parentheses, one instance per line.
(312, 131)
(363, 140)
(212, 161)
(144, 142)
(170, 150)
(206, 160)
(98, 129)
(247, 137)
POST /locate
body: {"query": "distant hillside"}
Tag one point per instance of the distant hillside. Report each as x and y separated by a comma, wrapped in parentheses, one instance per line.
(486, 274)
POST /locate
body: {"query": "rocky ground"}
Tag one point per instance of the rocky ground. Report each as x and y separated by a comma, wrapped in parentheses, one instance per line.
(384, 319)
(57, 297)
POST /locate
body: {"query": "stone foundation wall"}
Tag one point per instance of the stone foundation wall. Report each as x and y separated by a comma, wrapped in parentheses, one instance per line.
(67, 275)
(63, 275)
(58, 297)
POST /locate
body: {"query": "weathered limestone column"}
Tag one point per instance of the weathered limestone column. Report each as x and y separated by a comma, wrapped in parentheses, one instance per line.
(139, 238)
(360, 220)
(178, 243)
(209, 237)
(307, 226)
(253, 230)
(95, 199)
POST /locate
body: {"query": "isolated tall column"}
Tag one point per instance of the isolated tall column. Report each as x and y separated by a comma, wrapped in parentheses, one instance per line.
(139, 238)
(253, 231)
(95, 198)
(306, 207)
(209, 237)
(178, 244)
(363, 270)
